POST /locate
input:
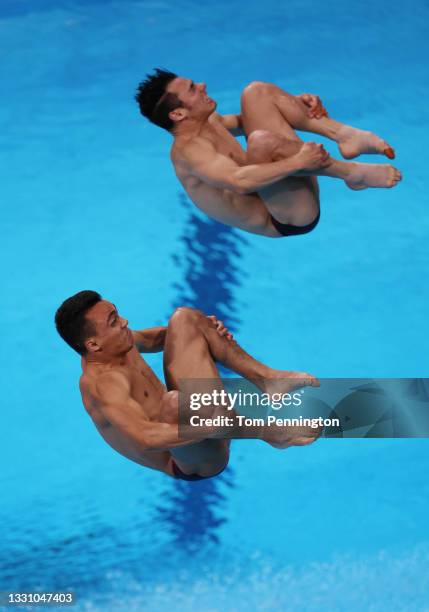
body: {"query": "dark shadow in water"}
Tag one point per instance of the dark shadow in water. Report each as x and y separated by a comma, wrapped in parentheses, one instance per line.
(190, 512)
(208, 264)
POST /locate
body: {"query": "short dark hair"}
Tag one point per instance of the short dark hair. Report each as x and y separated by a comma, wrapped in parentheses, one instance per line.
(153, 100)
(71, 321)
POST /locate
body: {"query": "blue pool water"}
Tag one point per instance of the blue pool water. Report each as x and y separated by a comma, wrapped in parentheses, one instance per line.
(89, 200)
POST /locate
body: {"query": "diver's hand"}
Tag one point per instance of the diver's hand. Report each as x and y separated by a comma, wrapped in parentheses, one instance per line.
(312, 156)
(314, 104)
(220, 327)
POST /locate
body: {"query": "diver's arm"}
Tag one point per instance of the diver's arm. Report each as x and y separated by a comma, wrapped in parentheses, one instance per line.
(128, 417)
(233, 124)
(150, 340)
(201, 159)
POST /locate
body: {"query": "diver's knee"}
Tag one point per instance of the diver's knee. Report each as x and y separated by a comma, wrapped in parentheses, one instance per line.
(259, 138)
(256, 88)
(185, 314)
(261, 146)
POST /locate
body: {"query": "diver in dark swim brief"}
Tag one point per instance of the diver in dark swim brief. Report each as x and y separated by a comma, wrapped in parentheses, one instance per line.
(271, 187)
(285, 229)
(130, 406)
(177, 472)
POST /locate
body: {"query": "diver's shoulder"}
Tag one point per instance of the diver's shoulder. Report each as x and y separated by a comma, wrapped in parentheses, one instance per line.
(96, 383)
(191, 149)
(92, 402)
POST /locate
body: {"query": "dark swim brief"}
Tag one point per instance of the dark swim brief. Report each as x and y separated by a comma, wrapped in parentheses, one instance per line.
(285, 229)
(181, 476)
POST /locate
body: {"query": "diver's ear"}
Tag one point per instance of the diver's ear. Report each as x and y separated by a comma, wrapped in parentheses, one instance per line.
(92, 345)
(178, 114)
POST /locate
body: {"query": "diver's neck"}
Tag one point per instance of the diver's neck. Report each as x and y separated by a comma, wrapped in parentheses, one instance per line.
(99, 359)
(190, 128)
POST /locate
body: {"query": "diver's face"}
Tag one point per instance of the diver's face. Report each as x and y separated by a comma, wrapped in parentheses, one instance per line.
(112, 335)
(196, 102)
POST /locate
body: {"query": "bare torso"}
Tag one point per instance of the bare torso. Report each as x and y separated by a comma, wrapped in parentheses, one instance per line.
(146, 390)
(244, 211)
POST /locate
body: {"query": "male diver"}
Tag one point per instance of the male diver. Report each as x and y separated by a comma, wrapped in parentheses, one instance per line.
(270, 189)
(135, 413)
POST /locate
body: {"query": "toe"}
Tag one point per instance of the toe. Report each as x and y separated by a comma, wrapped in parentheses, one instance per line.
(389, 152)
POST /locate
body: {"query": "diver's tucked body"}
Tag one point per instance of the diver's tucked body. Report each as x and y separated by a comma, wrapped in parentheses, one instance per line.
(271, 188)
(136, 413)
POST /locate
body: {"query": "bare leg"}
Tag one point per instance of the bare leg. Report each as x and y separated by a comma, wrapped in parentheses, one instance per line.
(270, 137)
(266, 98)
(193, 345)
(293, 200)
(268, 146)
(191, 349)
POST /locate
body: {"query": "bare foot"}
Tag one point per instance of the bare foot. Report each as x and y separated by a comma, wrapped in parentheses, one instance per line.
(285, 381)
(362, 176)
(353, 142)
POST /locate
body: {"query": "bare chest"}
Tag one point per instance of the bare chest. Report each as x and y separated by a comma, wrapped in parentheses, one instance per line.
(227, 145)
(146, 388)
